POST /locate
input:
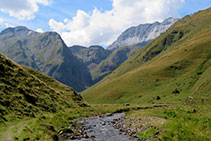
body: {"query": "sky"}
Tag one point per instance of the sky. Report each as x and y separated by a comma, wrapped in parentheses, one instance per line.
(92, 22)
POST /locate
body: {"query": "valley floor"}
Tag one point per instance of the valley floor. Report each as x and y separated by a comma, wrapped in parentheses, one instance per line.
(153, 122)
(167, 122)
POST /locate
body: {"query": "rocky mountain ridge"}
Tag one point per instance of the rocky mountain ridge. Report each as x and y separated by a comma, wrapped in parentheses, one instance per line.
(142, 34)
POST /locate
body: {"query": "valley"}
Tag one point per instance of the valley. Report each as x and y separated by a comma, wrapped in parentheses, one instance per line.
(152, 83)
(169, 69)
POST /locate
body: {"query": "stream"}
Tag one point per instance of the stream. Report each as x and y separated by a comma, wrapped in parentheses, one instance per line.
(102, 129)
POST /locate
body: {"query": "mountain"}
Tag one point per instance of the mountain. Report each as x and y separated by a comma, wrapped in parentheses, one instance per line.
(101, 61)
(27, 92)
(142, 34)
(91, 56)
(130, 41)
(46, 52)
(175, 67)
(116, 58)
(77, 66)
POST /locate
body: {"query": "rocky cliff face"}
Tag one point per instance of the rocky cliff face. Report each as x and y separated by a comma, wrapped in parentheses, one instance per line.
(89, 55)
(142, 34)
(47, 53)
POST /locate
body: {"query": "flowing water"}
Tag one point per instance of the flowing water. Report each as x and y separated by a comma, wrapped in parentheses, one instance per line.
(101, 129)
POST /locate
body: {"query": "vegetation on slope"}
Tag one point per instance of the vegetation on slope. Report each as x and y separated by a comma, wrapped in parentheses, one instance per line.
(172, 68)
(31, 102)
(176, 122)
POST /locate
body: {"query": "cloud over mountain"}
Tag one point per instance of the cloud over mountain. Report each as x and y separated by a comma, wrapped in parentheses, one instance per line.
(98, 27)
(1, 21)
(22, 9)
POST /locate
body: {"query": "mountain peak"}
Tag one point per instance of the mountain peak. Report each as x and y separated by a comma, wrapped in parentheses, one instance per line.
(143, 33)
(18, 31)
(21, 28)
(169, 21)
(96, 47)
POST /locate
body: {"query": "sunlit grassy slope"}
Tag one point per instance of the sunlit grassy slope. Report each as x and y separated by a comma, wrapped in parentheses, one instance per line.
(171, 68)
(27, 92)
(34, 106)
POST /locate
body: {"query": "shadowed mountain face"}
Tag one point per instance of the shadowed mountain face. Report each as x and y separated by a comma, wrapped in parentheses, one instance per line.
(95, 57)
(142, 34)
(101, 61)
(116, 58)
(91, 56)
(47, 53)
(172, 68)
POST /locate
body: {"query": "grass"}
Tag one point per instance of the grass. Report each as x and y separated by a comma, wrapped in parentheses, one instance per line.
(179, 59)
(25, 91)
(173, 70)
(32, 102)
(172, 122)
(184, 122)
(44, 126)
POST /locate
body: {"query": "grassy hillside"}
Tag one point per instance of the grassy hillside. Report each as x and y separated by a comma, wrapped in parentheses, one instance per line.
(173, 68)
(31, 101)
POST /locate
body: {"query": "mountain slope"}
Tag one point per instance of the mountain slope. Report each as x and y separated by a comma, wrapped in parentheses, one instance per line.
(169, 69)
(27, 92)
(47, 53)
(142, 34)
(91, 56)
(116, 58)
(127, 44)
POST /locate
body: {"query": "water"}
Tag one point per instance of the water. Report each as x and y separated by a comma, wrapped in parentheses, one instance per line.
(101, 129)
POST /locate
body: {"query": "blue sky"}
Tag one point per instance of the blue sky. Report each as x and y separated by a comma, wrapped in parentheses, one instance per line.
(87, 22)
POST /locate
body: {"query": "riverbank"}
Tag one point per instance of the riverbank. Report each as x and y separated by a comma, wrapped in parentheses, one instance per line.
(100, 128)
(155, 122)
(147, 122)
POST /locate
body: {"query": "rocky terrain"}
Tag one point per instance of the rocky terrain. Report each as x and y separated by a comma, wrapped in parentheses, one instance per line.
(98, 128)
(142, 34)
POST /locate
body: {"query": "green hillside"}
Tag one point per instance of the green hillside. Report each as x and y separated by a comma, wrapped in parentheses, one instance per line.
(173, 67)
(31, 101)
(25, 91)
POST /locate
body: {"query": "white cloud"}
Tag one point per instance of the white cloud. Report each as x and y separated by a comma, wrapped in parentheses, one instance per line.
(8, 25)
(22, 9)
(1, 21)
(104, 27)
(57, 26)
(39, 30)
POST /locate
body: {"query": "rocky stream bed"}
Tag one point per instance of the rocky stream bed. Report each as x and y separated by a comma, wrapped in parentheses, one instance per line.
(107, 127)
